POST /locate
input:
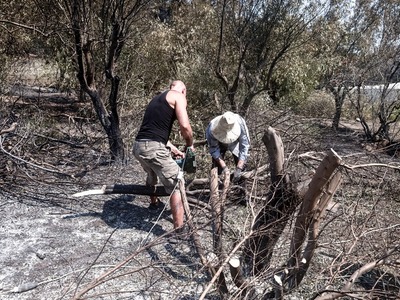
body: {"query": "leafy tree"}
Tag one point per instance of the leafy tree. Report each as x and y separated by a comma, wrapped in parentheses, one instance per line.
(255, 38)
(95, 34)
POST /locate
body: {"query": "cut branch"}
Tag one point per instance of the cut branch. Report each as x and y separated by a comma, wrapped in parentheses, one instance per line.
(357, 274)
(217, 212)
(10, 129)
(196, 238)
(307, 212)
(281, 203)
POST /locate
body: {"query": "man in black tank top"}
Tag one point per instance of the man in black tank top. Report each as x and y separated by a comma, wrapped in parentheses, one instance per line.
(152, 147)
(158, 120)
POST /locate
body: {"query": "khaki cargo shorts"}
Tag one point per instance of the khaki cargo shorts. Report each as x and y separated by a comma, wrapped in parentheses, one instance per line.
(157, 162)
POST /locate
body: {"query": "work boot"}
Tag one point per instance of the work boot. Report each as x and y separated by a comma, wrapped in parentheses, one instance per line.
(156, 206)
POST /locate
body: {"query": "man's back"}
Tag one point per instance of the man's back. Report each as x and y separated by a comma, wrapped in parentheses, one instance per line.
(158, 120)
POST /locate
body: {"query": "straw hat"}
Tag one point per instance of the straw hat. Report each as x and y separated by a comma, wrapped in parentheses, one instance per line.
(225, 128)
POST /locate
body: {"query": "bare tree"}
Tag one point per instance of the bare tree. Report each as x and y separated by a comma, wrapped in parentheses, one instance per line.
(100, 32)
(362, 52)
(382, 100)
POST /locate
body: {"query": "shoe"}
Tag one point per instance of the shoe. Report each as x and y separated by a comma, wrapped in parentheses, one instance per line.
(180, 235)
(156, 206)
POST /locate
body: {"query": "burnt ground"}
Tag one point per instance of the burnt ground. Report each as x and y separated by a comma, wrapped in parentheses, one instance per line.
(56, 241)
(55, 246)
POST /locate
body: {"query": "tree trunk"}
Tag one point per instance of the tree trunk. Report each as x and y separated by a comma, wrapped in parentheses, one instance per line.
(310, 216)
(340, 95)
(271, 220)
(246, 104)
(86, 77)
(110, 124)
(313, 232)
(114, 132)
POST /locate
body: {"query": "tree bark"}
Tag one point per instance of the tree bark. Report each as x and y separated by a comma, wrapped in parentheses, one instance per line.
(246, 291)
(339, 94)
(313, 232)
(86, 76)
(309, 216)
(282, 201)
(217, 210)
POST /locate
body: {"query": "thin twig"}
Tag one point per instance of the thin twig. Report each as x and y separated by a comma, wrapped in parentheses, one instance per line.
(29, 163)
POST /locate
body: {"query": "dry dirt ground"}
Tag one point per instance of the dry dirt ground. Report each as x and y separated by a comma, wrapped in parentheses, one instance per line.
(55, 246)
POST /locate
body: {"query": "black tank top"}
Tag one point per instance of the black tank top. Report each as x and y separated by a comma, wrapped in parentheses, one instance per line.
(158, 120)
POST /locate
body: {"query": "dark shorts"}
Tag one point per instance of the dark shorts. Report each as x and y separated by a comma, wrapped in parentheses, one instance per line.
(157, 162)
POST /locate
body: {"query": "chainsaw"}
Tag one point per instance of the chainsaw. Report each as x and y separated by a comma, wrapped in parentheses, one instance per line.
(188, 163)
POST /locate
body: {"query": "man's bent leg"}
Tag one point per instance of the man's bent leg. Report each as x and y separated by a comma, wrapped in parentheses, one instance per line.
(151, 182)
(152, 185)
(144, 152)
(177, 209)
(167, 171)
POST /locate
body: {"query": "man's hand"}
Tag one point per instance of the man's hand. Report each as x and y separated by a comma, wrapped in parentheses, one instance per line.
(236, 175)
(175, 152)
(225, 173)
(190, 147)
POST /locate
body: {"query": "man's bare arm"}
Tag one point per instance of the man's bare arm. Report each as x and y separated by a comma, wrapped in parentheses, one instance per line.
(183, 119)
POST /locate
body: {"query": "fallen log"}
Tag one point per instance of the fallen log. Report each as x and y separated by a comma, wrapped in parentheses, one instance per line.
(136, 189)
(125, 189)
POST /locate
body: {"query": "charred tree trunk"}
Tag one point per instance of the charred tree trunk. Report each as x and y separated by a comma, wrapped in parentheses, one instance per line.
(86, 76)
(281, 203)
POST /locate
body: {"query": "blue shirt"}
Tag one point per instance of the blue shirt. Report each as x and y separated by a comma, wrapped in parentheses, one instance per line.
(239, 148)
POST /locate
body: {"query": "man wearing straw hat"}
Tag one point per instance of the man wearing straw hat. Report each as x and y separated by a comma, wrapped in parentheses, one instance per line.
(228, 132)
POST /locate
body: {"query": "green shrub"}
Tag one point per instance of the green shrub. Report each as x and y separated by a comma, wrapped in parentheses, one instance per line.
(318, 104)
